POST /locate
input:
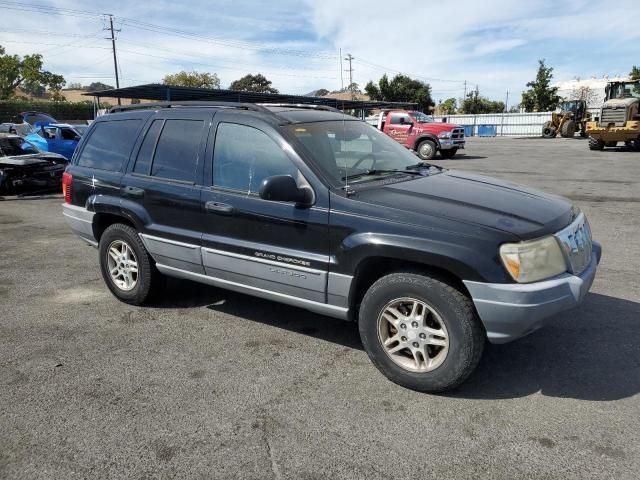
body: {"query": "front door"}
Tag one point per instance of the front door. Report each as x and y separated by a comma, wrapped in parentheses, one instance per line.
(400, 126)
(268, 247)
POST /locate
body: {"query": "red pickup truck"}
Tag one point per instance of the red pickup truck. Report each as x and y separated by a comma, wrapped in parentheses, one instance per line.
(419, 132)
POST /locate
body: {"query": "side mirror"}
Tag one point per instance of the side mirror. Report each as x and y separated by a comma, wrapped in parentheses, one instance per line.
(77, 138)
(283, 188)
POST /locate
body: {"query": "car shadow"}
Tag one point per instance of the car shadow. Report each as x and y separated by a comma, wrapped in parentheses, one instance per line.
(591, 353)
(462, 156)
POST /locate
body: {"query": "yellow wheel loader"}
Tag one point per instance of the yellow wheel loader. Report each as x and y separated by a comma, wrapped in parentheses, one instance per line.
(619, 119)
(573, 117)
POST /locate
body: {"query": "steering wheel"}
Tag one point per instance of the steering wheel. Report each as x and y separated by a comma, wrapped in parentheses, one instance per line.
(368, 155)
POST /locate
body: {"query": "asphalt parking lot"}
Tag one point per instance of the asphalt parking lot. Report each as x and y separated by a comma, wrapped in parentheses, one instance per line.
(213, 384)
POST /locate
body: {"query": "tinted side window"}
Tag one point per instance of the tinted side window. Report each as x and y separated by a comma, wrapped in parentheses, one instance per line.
(109, 145)
(176, 155)
(143, 160)
(243, 156)
(395, 119)
(68, 134)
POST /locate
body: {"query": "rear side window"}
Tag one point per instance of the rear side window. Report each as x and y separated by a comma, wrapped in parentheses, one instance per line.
(109, 145)
(244, 156)
(145, 155)
(400, 119)
(176, 155)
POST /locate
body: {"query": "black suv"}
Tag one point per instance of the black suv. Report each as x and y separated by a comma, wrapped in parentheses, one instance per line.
(308, 206)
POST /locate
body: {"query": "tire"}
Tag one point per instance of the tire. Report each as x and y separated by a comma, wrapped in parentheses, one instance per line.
(450, 153)
(146, 281)
(633, 144)
(426, 149)
(568, 129)
(595, 144)
(450, 312)
(549, 131)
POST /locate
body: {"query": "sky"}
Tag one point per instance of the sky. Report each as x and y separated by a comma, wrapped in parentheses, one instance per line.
(494, 44)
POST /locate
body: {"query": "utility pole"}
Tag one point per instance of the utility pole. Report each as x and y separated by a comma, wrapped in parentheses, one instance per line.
(506, 106)
(113, 44)
(349, 58)
(465, 91)
(341, 72)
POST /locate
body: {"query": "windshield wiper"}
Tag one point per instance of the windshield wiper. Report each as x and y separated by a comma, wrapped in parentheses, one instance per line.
(377, 171)
(422, 165)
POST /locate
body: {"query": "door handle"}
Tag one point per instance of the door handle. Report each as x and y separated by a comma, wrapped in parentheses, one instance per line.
(217, 207)
(133, 191)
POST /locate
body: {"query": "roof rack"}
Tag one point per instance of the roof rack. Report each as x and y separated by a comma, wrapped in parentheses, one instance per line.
(309, 106)
(191, 103)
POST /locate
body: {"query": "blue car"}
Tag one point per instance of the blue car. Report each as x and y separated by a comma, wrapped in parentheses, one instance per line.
(58, 138)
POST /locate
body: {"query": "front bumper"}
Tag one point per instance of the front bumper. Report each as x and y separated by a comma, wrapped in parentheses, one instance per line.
(448, 144)
(510, 311)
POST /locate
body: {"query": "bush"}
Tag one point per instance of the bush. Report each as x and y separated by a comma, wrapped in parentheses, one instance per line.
(59, 110)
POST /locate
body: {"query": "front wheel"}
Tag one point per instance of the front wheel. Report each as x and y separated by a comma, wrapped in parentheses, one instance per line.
(426, 150)
(448, 153)
(420, 332)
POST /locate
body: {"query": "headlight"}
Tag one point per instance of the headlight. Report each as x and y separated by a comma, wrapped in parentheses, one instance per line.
(533, 260)
(444, 135)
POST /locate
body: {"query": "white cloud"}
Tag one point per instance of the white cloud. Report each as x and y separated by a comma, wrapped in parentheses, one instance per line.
(494, 43)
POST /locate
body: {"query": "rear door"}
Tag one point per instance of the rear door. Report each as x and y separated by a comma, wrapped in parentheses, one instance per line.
(67, 141)
(165, 180)
(266, 246)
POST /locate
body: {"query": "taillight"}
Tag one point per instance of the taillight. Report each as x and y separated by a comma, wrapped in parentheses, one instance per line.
(67, 182)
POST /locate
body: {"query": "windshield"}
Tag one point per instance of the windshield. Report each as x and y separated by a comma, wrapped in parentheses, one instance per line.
(14, 146)
(352, 149)
(625, 90)
(422, 117)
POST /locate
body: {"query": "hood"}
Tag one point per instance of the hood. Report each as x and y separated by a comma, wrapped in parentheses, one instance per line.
(476, 199)
(33, 159)
(620, 102)
(435, 127)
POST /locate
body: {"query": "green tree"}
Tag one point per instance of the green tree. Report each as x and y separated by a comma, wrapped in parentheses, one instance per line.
(448, 107)
(192, 79)
(97, 86)
(541, 97)
(476, 104)
(401, 89)
(634, 74)
(321, 93)
(26, 71)
(253, 83)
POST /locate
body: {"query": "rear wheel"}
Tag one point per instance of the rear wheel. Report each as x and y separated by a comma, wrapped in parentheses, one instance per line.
(450, 153)
(426, 150)
(420, 332)
(126, 266)
(633, 144)
(568, 129)
(595, 144)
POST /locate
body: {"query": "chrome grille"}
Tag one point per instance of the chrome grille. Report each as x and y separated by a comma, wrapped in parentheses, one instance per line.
(457, 133)
(617, 116)
(576, 243)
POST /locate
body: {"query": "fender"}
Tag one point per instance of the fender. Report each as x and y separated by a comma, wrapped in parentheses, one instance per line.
(460, 259)
(132, 211)
(426, 136)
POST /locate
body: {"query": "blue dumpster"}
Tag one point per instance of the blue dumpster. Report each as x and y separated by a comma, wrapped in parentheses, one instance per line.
(468, 130)
(487, 130)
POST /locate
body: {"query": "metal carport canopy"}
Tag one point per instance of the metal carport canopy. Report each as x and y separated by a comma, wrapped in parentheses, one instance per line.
(159, 92)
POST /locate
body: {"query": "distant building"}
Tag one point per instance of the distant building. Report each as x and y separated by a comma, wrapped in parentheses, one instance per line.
(590, 89)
